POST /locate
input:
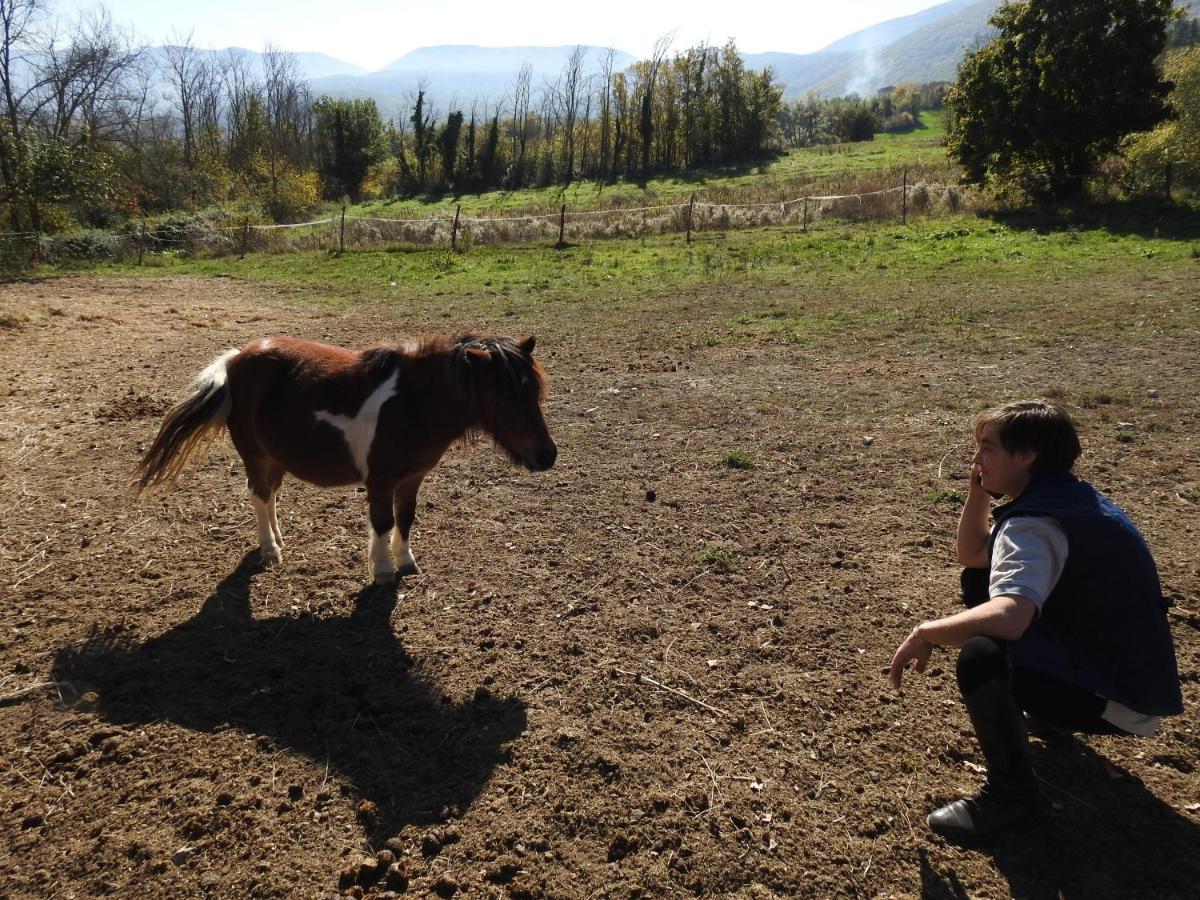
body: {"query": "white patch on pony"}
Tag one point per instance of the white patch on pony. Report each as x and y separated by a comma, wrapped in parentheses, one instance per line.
(382, 567)
(359, 430)
(267, 528)
(402, 553)
(214, 375)
(264, 344)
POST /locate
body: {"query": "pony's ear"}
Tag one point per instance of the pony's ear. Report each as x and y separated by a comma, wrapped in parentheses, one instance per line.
(474, 355)
(527, 346)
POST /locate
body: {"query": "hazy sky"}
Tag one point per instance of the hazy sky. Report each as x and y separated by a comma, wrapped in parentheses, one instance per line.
(373, 33)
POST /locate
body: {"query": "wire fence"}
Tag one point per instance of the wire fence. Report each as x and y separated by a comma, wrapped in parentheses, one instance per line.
(197, 236)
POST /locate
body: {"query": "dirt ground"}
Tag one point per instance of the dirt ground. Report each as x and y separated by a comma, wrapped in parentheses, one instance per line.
(576, 698)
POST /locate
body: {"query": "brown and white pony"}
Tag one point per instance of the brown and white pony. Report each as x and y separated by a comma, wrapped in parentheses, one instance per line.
(382, 417)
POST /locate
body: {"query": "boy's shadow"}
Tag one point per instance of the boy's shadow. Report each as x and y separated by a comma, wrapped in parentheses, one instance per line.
(340, 690)
(1100, 833)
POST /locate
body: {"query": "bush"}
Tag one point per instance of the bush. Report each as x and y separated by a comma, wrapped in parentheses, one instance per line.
(87, 245)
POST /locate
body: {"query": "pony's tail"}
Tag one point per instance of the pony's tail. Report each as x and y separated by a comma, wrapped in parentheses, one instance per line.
(189, 425)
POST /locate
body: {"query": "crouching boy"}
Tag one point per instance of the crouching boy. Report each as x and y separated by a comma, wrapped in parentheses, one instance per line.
(1065, 621)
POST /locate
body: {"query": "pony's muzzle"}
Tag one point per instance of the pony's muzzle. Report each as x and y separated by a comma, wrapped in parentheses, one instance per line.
(544, 458)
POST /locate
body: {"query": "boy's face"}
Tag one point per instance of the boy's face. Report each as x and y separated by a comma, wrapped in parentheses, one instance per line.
(999, 471)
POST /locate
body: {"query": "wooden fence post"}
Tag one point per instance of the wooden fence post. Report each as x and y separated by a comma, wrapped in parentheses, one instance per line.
(1168, 180)
(562, 228)
(454, 228)
(245, 235)
(904, 200)
(804, 226)
(342, 233)
(691, 206)
(142, 240)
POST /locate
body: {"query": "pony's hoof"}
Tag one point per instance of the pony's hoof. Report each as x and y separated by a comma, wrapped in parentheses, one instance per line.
(383, 579)
(410, 568)
(270, 557)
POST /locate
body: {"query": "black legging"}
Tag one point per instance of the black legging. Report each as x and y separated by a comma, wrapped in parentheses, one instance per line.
(1050, 700)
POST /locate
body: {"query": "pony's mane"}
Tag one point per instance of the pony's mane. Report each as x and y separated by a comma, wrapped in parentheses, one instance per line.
(503, 349)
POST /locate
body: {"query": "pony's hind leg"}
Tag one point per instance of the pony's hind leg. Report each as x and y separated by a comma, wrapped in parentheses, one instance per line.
(263, 480)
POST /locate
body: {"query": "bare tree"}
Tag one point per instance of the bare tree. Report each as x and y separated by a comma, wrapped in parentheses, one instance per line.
(646, 118)
(18, 21)
(81, 76)
(569, 92)
(186, 73)
(243, 101)
(288, 112)
(520, 117)
(606, 104)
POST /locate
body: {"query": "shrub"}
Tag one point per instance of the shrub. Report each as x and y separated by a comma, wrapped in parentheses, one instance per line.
(89, 245)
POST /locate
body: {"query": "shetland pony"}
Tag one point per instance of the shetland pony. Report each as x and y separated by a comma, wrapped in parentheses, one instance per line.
(381, 417)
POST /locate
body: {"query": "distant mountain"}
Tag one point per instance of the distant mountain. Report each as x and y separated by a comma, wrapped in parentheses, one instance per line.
(460, 75)
(893, 29)
(311, 65)
(466, 58)
(926, 46)
(929, 53)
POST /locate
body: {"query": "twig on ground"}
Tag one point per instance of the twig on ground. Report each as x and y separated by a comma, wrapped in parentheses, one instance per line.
(716, 789)
(31, 688)
(675, 691)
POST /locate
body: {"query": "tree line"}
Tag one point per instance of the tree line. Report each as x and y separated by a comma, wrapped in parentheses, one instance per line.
(97, 128)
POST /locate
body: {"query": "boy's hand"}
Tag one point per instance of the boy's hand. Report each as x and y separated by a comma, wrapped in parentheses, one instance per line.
(976, 478)
(915, 651)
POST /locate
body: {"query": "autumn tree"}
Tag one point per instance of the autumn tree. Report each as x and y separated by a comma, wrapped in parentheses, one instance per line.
(1056, 89)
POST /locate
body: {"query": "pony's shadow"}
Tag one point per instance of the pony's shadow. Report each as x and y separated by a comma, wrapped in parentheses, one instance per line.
(1101, 833)
(341, 690)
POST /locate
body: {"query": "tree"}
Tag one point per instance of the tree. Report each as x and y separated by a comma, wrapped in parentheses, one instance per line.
(448, 148)
(1057, 89)
(1170, 154)
(350, 137)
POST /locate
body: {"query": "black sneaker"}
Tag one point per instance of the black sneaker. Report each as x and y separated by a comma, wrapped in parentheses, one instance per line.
(993, 809)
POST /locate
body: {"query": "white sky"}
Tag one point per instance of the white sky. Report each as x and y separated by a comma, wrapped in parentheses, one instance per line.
(373, 33)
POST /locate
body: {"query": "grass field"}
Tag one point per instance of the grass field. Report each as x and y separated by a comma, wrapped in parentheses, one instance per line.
(935, 277)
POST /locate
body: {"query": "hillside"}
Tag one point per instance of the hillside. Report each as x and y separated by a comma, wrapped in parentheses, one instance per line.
(929, 53)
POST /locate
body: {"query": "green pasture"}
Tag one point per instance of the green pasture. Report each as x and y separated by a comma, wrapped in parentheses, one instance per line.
(964, 279)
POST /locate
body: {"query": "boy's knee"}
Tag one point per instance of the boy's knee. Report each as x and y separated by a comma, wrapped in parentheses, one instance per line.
(980, 659)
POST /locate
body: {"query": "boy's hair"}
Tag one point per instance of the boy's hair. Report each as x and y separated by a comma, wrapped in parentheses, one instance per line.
(1037, 426)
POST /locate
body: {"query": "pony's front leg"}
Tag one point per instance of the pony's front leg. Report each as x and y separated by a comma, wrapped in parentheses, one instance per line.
(379, 500)
(405, 507)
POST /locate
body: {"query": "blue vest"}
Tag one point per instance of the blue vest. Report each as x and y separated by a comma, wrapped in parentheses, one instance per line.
(1104, 626)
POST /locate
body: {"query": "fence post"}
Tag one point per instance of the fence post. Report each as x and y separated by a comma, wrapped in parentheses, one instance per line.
(562, 228)
(1168, 180)
(342, 233)
(142, 241)
(804, 226)
(691, 206)
(454, 228)
(245, 235)
(904, 200)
